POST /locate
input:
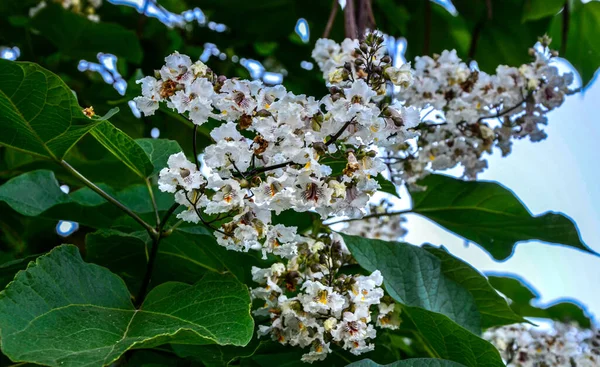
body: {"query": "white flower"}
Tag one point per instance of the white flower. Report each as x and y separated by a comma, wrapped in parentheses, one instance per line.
(181, 173)
(401, 76)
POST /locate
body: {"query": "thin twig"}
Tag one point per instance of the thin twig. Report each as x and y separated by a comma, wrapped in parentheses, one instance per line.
(502, 113)
(376, 215)
(139, 299)
(339, 133)
(366, 20)
(332, 15)
(106, 196)
(566, 13)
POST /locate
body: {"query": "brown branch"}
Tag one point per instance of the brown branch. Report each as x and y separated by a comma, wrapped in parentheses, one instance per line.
(332, 15)
(350, 20)
(427, 31)
(366, 19)
(565, 27)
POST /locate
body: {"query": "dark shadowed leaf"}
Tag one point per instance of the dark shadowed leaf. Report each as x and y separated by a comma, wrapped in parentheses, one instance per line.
(62, 311)
(490, 215)
(79, 37)
(415, 362)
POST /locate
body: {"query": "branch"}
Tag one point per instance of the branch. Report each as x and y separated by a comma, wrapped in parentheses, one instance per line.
(339, 133)
(377, 215)
(153, 199)
(350, 20)
(502, 113)
(139, 299)
(366, 20)
(332, 15)
(109, 198)
(565, 27)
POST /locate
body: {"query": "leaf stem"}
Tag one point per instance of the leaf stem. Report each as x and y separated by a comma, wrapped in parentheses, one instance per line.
(139, 299)
(109, 198)
(153, 199)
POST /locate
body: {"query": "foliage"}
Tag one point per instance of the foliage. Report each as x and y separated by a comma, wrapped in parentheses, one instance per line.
(141, 284)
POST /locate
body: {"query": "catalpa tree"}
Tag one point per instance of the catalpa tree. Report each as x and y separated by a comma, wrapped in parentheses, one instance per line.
(262, 228)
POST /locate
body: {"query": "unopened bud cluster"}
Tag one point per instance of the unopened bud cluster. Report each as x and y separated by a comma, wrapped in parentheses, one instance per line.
(310, 304)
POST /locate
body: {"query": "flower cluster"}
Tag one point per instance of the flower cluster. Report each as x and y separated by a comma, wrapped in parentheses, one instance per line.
(308, 304)
(274, 150)
(85, 7)
(377, 224)
(562, 346)
(473, 111)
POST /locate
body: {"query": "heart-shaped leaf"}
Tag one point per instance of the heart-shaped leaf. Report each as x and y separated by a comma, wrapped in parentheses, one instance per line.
(38, 112)
(62, 311)
(490, 215)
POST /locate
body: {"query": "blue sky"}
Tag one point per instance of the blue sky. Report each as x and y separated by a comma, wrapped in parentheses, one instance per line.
(558, 174)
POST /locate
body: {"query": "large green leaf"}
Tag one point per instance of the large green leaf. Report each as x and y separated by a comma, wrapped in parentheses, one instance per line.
(38, 112)
(78, 37)
(450, 341)
(490, 215)
(159, 151)
(37, 193)
(522, 296)
(446, 300)
(62, 311)
(124, 148)
(583, 48)
(416, 362)
(432, 279)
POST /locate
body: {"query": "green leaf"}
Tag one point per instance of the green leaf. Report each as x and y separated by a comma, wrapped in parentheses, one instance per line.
(33, 193)
(217, 355)
(38, 112)
(450, 341)
(78, 37)
(490, 215)
(9, 269)
(413, 362)
(159, 151)
(537, 9)
(387, 186)
(522, 296)
(583, 48)
(37, 193)
(62, 311)
(432, 279)
(446, 308)
(124, 148)
(185, 256)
